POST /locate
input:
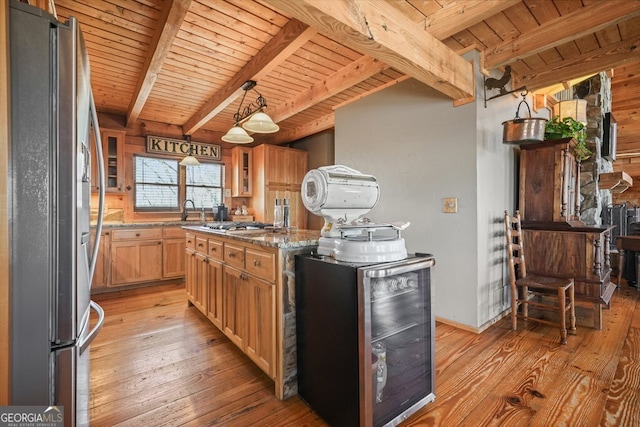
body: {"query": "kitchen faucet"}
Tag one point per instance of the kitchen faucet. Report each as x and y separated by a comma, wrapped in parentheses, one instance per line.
(184, 208)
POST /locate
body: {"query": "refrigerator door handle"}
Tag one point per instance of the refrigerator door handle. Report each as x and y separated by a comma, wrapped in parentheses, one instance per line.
(86, 342)
(101, 190)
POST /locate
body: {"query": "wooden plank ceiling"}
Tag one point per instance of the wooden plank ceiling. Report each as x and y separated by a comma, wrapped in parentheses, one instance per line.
(183, 62)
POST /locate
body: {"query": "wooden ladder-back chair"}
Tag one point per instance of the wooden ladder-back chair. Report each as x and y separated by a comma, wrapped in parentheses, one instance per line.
(524, 287)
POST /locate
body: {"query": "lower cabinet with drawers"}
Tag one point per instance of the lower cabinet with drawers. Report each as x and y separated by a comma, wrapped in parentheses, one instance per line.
(136, 256)
(233, 284)
(246, 287)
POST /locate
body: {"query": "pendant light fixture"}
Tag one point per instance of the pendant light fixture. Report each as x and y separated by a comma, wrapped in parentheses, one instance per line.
(189, 160)
(574, 108)
(251, 118)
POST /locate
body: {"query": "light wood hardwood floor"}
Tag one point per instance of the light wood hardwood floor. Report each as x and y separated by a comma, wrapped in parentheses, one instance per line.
(159, 362)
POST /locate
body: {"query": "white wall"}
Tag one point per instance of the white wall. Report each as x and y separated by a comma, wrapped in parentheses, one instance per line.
(422, 149)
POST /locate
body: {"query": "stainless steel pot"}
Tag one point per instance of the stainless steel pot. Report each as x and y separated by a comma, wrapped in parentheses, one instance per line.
(519, 130)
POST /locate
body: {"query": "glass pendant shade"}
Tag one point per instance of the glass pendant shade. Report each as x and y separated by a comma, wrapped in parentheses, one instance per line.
(190, 161)
(574, 108)
(260, 123)
(237, 135)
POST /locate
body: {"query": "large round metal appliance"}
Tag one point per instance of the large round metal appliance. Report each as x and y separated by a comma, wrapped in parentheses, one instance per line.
(342, 195)
(339, 194)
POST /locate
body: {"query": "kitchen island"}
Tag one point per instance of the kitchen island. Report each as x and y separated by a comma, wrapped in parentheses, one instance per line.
(243, 281)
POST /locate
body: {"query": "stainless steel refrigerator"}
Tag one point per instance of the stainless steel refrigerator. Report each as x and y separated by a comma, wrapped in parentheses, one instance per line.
(51, 252)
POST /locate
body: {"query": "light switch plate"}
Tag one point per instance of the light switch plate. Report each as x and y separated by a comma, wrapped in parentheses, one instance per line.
(450, 205)
(227, 192)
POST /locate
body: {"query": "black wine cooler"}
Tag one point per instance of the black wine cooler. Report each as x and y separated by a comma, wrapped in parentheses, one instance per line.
(365, 339)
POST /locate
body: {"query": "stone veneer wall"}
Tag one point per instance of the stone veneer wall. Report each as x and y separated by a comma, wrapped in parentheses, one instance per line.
(593, 199)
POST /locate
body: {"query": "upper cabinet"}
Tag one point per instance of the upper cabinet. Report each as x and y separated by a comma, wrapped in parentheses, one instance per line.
(241, 173)
(278, 173)
(549, 182)
(113, 153)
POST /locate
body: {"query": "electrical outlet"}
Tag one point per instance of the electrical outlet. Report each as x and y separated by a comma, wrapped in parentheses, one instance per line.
(450, 205)
(227, 192)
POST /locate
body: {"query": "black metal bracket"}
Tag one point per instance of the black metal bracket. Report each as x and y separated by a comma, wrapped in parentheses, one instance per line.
(520, 89)
(500, 83)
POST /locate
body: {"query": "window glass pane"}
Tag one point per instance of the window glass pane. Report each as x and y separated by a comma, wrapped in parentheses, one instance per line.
(209, 174)
(205, 184)
(156, 196)
(156, 183)
(163, 171)
(204, 197)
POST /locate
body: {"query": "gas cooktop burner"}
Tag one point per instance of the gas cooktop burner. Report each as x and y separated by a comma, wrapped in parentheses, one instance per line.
(248, 225)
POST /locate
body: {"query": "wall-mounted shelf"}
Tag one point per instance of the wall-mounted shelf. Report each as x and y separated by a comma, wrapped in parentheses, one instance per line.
(617, 182)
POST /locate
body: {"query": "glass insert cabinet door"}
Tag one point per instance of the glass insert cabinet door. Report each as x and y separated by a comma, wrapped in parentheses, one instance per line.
(397, 335)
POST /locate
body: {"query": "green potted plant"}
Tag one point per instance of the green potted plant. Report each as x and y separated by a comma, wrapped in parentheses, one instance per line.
(569, 128)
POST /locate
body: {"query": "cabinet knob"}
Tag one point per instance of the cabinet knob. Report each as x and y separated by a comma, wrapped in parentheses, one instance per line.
(129, 187)
(106, 234)
(256, 263)
(137, 234)
(232, 254)
(159, 243)
(200, 245)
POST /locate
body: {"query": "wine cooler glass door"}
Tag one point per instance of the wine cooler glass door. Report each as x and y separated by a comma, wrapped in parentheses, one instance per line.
(398, 340)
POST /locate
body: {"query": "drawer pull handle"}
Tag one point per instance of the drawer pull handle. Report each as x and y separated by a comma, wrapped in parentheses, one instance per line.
(200, 245)
(188, 241)
(256, 263)
(232, 254)
(137, 234)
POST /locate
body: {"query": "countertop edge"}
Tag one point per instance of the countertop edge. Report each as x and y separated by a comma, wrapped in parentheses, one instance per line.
(295, 239)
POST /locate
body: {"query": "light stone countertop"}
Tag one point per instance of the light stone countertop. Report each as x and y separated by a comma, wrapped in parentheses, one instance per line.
(278, 239)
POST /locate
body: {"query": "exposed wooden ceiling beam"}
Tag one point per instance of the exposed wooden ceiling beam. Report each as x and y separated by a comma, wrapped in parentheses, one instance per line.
(168, 26)
(460, 15)
(591, 62)
(376, 28)
(563, 29)
(291, 37)
(343, 79)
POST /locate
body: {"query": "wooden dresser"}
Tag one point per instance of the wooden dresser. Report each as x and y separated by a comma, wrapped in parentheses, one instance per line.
(558, 243)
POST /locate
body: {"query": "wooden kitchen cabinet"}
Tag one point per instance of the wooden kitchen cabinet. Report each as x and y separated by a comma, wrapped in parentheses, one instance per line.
(173, 247)
(215, 294)
(241, 172)
(202, 282)
(136, 256)
(549, 182)
(101, 273)
(278, 173)
(261, 324)
(580, 253)
(249, 296)
(235, 311)
(238, 282)
(113, 153)
(191, 274)
(558, 243)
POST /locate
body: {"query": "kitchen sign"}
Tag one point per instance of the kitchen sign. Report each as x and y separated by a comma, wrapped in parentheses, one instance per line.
(182, 147)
